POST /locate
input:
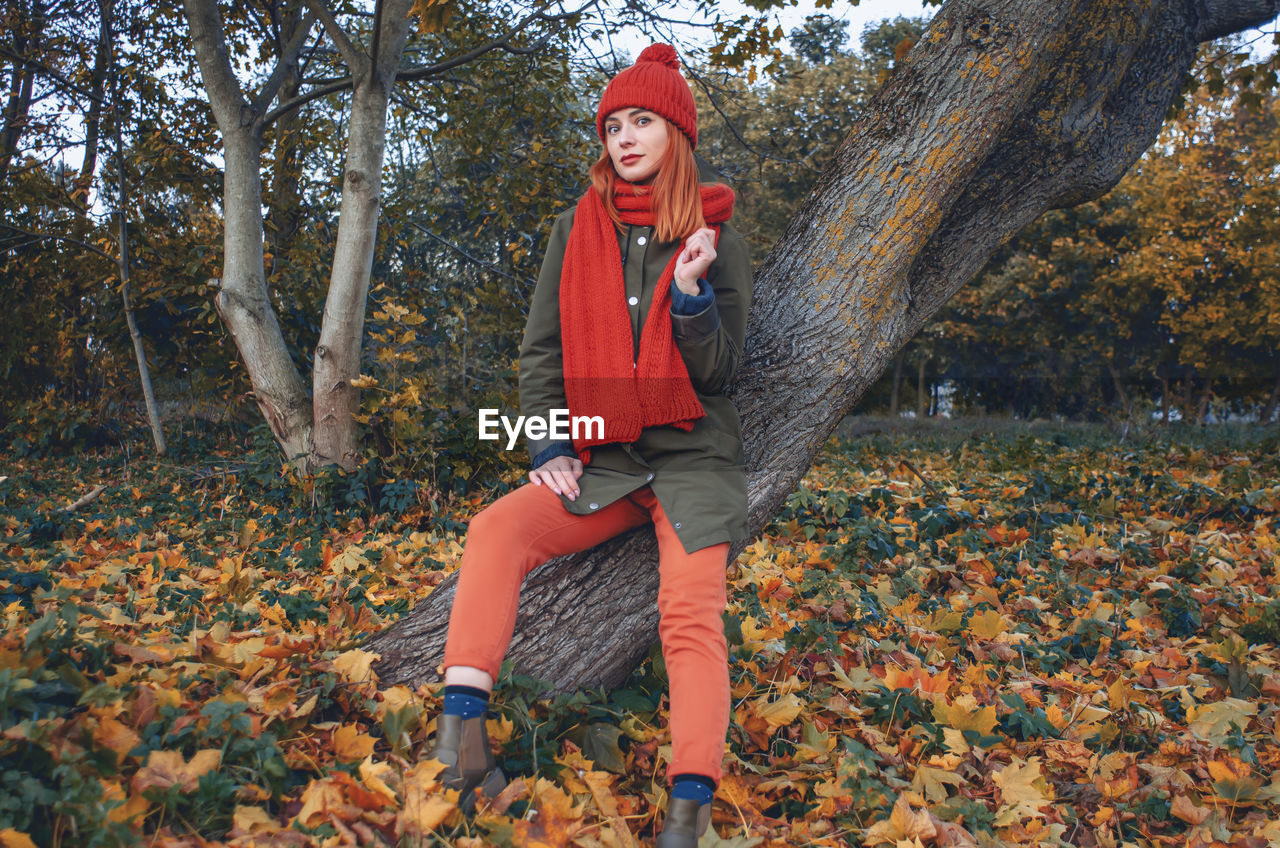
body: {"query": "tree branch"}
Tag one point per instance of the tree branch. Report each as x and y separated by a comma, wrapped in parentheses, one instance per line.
(51, 73)
(424, 71)
(288, 61)
(1223, 17)
(56, 237)
(207, 37)
(338, 35)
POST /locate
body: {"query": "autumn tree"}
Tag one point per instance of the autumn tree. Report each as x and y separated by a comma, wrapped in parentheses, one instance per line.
(367, 57)
(1001, 111)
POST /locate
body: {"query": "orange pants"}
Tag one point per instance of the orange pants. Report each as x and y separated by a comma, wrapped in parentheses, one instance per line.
(529, 526)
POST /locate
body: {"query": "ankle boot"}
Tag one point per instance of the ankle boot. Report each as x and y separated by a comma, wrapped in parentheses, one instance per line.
(463, 746)
(686, 820)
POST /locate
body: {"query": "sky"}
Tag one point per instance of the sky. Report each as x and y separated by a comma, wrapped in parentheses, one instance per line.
(864, 13)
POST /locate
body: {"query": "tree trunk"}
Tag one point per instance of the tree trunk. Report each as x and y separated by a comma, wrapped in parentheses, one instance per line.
(286, 197)
(1272, 400)
(1003, 110)
(897, 384)
(921, 406)
(1121, 395)
(1202, 406)
(1187, 384)
(337, 360)
(93, 120)
(1164, 399)
(139, 352)
(242, 300)
(26, 40)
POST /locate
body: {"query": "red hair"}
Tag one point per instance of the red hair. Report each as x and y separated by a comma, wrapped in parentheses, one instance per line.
(677, 203)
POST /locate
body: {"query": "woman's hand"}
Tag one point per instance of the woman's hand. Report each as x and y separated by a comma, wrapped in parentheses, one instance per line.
(559, 474)
(694, 260)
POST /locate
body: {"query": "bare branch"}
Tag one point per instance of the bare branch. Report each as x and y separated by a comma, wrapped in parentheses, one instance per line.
(355, 61)
(488, 266)
(425, 71)
(51, 73)
(93, 495)
(707, 86)
(55, 237)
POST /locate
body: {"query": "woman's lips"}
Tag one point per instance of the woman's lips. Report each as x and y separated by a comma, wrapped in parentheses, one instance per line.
(627, 160)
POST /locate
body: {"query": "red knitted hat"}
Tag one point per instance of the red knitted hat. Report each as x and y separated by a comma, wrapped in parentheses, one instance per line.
(655, 83)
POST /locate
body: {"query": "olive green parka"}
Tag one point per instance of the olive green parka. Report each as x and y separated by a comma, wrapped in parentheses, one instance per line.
(697, 475)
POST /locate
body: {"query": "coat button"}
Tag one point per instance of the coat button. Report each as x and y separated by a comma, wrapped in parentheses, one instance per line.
(633, 300)
(641, 240)
(677, 525)
(650, 477)
(593, 506)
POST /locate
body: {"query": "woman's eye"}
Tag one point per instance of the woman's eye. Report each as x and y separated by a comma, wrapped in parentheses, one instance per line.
(642, 121)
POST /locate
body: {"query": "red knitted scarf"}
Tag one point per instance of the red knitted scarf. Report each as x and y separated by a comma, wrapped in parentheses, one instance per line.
(600, 377)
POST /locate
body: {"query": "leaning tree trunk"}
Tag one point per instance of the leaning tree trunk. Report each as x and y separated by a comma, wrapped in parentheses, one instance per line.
(122, 262)
(1003, 110)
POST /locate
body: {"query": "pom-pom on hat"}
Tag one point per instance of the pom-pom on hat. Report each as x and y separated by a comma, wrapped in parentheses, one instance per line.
(655, 83)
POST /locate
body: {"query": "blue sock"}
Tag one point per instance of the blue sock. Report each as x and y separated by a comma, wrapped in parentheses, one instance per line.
(465, 701)
(694, 787)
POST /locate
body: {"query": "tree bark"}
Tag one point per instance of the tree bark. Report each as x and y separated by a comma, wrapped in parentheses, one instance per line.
(139, 351)
(284, 213)
(26, 40)
(1003, 110)
(337, 359)
(93, 119)
(242, 300)
(1164, 399)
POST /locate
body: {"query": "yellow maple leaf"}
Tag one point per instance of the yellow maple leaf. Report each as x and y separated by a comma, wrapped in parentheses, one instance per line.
(965, 714)
(987, 624)
(356, 665)
(932, 782)
(903, 824)
(164, 769)
(248, 820)
(350, 744)
(374, 776)
(1023, 791)
(1213, 722)
(777, 713)
(117, 736)
(423, 812)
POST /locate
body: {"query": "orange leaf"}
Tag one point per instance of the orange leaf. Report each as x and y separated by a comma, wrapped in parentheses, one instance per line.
(10, 838)
(349, 744)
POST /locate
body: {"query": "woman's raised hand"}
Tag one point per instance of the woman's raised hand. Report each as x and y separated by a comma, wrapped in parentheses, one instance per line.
(559, 474)
(694, 260)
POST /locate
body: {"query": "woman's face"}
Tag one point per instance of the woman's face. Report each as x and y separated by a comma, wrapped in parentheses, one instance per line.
(635, 139)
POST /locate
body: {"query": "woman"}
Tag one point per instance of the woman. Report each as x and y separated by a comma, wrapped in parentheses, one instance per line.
(638, 318)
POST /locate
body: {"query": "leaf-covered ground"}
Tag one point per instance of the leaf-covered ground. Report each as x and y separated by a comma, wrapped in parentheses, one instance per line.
(1036, 639)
